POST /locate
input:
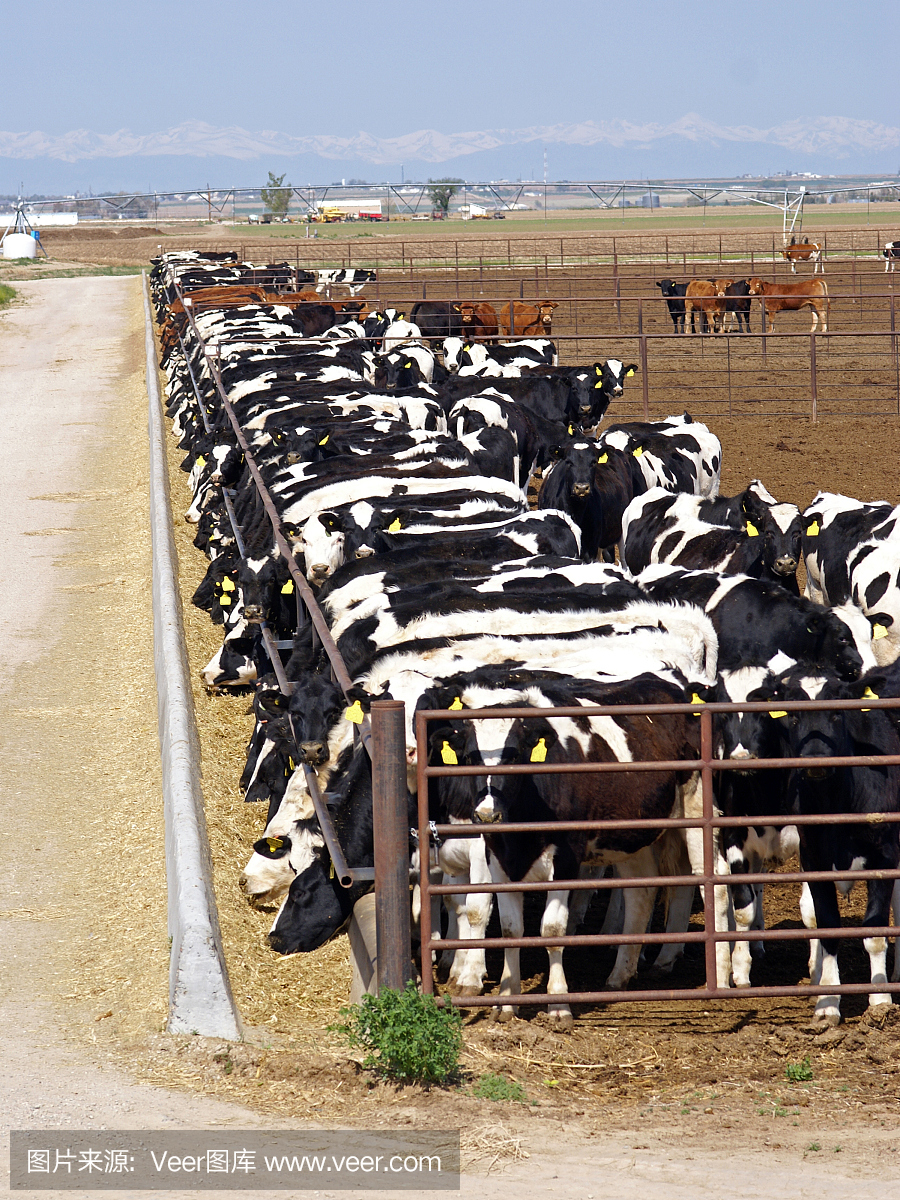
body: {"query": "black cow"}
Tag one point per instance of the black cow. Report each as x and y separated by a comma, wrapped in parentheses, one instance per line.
(737, 301)
(316, 905)
(674, 294)
(437, 319)
(870, 845)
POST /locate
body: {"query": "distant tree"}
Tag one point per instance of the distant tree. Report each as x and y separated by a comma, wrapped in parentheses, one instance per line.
(442, 192)
(275, 197)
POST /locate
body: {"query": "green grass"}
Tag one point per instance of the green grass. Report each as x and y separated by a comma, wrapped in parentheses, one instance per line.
(799, 1072)
(6, 294)
(498, 1087)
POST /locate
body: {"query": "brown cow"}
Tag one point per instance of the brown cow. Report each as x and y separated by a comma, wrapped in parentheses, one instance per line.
(229, 296)
(703, 295)
(789, 297)
(803, 252)
(353, 308)
(479, 321)
(528, 320)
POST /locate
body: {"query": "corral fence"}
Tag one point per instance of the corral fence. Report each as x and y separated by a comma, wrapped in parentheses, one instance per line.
(757, 248)
(430, 834)
(384, 736)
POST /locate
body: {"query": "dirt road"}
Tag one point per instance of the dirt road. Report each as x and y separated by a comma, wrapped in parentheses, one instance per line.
(82, 892)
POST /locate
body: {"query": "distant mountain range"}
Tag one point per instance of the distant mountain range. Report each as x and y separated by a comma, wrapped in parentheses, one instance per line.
(195, 154)
(832, 137)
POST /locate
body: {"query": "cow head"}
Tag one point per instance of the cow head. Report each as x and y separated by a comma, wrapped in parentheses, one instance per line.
(779, 525)
(756, 286)
(322, 543)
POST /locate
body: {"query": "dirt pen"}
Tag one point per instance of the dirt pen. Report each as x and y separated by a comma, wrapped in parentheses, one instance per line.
(675, 1053)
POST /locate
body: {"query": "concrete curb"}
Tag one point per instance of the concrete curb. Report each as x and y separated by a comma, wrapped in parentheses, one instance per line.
(200, 999)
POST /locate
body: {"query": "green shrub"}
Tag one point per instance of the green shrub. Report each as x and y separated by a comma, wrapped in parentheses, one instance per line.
(498, 1087)
(799, 1072)
(406, 1035)
(6, 293)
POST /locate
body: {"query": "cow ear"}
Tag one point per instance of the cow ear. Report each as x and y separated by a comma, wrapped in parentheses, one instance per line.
(272, 703)
(880, 623)
(273, 847)
(696, 693)
(814, 623)
(631, 369)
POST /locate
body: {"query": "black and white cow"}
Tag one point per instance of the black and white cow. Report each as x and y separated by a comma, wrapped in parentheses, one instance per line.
(852, 554)
(749, 534)
(495, 799)
(756, 619)
(891, 253)
(679, 454)
(355, 278)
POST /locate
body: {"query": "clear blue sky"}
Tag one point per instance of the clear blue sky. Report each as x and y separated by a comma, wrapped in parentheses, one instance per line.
(393, 66)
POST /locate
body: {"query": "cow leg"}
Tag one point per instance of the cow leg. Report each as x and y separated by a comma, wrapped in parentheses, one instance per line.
(815, 318)
(510, 906)
(878, 912)
(895, 908)
(553, 924)
(473, 911)
(678, 918)
(827, 914)
(581, 899)
(693, 807)
(468, 969)
(638, 904)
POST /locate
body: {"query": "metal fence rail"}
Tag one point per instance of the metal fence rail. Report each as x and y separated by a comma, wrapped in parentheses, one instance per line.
(707, 822)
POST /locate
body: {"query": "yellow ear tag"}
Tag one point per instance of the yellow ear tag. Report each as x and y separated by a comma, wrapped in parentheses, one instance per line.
(227, 584)
(604, 458)
(275, 844)
(467, 349)
(224, 600)
(695, 699)
(354, 713)
(395, 526)
(407, 365)
(813, 530)
(628, 374)
(292, 764)
(879, 631)
(598, 370)
(752, 531)
(598, 384)
(288, 588)
(456, 705)
(637, 453)
(777, 714)
(570, 431)
(448, 755)
(868, 694)
(201, 461)
(539, 753)
(325, 439)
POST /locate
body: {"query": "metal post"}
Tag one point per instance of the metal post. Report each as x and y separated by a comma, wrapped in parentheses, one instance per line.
(812, 377)
(391, 832)
(709, 865)
(765, 323)
(640, 314)
(645, 383)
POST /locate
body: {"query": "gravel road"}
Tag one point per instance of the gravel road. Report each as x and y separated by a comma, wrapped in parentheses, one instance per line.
(82, 888)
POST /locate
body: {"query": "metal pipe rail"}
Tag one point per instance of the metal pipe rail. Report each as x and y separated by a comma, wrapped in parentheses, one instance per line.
(707, 764)
(347, 875)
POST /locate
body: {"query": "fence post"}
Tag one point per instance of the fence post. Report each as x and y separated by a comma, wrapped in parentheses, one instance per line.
(765, 322)
(645, 382)
(812, 377)
(391, 830)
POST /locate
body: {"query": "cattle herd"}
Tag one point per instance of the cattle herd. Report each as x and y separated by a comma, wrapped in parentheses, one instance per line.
(404, 482)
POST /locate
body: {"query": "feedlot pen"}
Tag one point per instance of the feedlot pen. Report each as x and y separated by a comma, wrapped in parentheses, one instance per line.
(794, 458)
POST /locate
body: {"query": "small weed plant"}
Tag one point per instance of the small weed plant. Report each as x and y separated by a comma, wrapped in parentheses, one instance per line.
(407, 1037)
(498, 1087)
(6, 294)
(800, 1072)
